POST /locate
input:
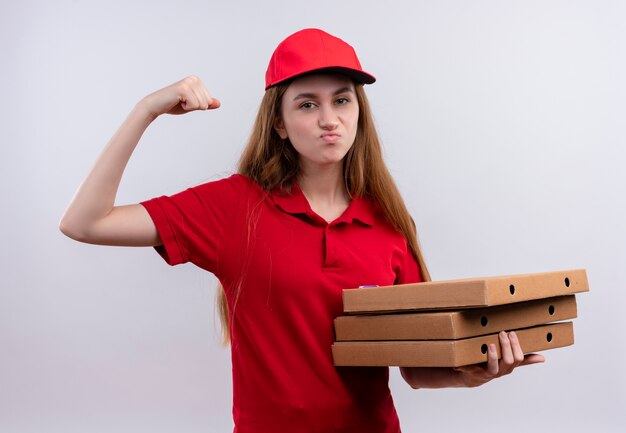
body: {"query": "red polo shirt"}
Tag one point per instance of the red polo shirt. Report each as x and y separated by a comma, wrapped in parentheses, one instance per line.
(283, 268)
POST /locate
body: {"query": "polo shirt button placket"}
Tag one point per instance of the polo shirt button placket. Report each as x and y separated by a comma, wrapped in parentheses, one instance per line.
(330, 259)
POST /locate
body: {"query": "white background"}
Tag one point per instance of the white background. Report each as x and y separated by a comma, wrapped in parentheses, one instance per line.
(503, 123)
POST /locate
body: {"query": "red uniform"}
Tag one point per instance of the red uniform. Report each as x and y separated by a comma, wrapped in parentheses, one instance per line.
(283, 268)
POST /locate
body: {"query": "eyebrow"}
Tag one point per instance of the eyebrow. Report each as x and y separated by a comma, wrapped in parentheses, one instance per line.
(313, 95)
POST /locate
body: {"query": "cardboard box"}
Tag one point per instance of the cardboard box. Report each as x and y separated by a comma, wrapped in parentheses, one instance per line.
(446, 353)
(465, 293)
(454, 325)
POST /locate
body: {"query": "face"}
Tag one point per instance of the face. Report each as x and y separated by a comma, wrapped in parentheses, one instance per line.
(319, 117)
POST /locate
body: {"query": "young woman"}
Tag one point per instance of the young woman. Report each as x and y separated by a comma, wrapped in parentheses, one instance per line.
(312, 210)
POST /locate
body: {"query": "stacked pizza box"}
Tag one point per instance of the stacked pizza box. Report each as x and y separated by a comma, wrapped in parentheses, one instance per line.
(451, 323)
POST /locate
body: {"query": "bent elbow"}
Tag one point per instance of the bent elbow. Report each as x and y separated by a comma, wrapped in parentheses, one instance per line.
(71, 230)
(66, 228)
(407, 375)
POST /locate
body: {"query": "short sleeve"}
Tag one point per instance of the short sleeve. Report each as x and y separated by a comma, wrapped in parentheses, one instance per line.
(194, 224)
(408, 271)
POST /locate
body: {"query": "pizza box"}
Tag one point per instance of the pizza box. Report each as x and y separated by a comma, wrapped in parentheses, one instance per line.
(455, 324)
(464, 293)
(446, 353)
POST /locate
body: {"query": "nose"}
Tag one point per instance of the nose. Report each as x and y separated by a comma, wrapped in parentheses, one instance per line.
(327, 118)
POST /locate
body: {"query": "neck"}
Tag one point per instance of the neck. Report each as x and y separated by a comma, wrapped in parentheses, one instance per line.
(325, 190)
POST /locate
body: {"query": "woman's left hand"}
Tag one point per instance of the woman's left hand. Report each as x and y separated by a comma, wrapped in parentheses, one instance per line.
(512, 357)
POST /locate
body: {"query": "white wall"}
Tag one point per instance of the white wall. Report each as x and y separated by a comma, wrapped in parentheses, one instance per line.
(503, 122)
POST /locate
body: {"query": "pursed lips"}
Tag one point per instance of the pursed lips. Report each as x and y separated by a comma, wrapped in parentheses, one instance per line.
(330, 137)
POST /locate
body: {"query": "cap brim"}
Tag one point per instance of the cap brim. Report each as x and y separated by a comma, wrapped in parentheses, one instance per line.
(358, 76)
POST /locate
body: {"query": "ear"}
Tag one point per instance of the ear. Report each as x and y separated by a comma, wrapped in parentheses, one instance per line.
(279, 127)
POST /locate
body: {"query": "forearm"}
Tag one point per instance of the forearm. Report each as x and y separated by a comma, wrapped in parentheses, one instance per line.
(476, 374)
(92, 215)
(431, 377)
(95, 197)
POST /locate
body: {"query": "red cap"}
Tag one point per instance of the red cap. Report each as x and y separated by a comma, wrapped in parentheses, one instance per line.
(314, 50)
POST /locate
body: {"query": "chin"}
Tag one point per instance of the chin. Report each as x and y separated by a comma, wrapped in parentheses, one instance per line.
(336, 155)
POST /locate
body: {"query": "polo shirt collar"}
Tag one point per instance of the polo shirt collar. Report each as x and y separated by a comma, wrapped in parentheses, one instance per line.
(295, 203)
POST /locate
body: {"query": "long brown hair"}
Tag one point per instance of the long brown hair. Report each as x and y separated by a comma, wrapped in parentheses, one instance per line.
(273, 162)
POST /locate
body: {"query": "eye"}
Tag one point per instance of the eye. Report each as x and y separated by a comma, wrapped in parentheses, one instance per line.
(342, 101)
(307, 105)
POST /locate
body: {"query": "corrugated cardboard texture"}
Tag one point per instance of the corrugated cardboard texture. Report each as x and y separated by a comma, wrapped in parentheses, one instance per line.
(474, 292)
(446, 353)
(453, 325)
